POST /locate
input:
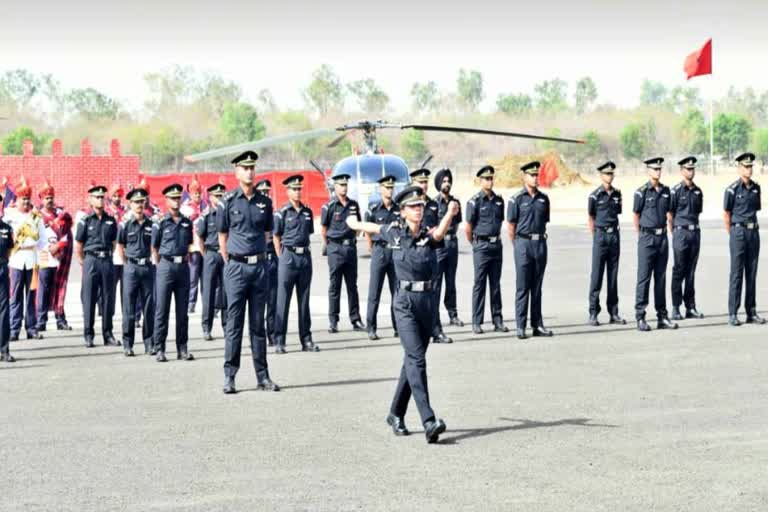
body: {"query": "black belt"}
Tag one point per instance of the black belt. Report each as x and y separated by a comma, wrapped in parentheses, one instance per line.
(381, 243)
(449, 236)
(654, 231)
(416, 286)
(140, 261)
(297, 250)
(746, 225)
(99, 254)
(687, 227)
(211, 248)
(608, 229)
(174, 259)
(531, 236)
(491, 239)
(262, 256)
(342, 241)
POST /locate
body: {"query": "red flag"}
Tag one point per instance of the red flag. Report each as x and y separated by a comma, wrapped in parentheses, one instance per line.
(699, 62)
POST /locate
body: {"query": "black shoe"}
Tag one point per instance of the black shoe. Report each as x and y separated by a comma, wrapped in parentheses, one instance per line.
(357, 325)
(280, 349)
(333, 327)
(455, 321)
(396, 334)
(207, 336)
(500, 327)
(161, 357)
(14, 337)
(267, 385)
(521, 334)
(128, 352)
(643, 326)
(185, 356)
(153, 351)
(754, 318)
(229, 386)
(476, 329)
(63, 327)
(309, 346)
(89, 342)
(34, 336)
(7, 357)
(665, 323)
(676, 313)
(433, 429)
(138, 324)
(442, 338)
(398, 425)
(693, 313)
(373, 336)
(593, 321)
(191, 310)
(542, 331)
(616, 319)
(734, 320)
(110, 340)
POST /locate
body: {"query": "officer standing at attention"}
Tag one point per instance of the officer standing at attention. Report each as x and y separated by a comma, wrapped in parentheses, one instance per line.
(684, 210)
(171, 237)
(264, 187)
(243, 220)
(293, 225)
(340, 245)
(95, 241)
(448, 255)
(413, 250)
(213, 265)
(603, 209)
(741, 204)
(381, 212)
(651, 208)
(6, 244)
(134, 243)
(527, 218)
(485, 213)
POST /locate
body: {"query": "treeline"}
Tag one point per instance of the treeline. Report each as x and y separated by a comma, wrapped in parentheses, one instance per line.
(187, 110)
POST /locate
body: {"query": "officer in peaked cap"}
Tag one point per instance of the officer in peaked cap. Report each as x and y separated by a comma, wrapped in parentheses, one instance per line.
(6, 245)
(381, 212)
(213, 294)
(245, 159)
(603, 208)
(527, 218)
(265, 187)
(651, 207)
(485, 213)
(95, 236)
(685, 208)
(448, 254)
(741, 204)
(294, 224)
(340, 243)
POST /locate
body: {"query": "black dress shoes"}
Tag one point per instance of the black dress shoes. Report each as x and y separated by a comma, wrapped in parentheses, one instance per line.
(309, 346)
(616, 319)
(109, 340)
(521, 334)
(455, 321)
(542, 331)
(207, 336)
(89, 342)
(34, 335)
(161, 357)
(396, 334)
(476, 329)
(63, 327)
(499, 327)
(693, 313)
(442, 338)
(267, 385)
(665, 323)
(398, 425)
(280, 349)
(433, 429)
(357, 325)
(593, 321)
(754, 318)
(128, 352)
(333, 327)
(373, 336)
(7, 357)
(229, 386)
(643, 326)
(14, 337)
(184, 355)
(734, 320)
(676, 314)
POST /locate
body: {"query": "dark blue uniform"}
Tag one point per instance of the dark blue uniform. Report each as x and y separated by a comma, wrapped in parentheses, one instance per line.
(246, 222)
(530, 214)
(172, 239)
(138, 279)
(294, 270)
(415, 263)
(342, 256)
(604, 207)
(447, 261)
(652, 248)
(271, 311)
(685, 207)
(97, 234)
(485, 214)
(6, 244)
(743, 202)
(213, 271)
(382, 265)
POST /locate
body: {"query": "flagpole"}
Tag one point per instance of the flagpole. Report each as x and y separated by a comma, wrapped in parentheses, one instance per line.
(711, 136)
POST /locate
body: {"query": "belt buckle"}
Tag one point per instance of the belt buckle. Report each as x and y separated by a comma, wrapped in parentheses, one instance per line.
(750, 225)
(535, 236)
(493, 239)
(691, 227)
(658, 231)
(178, 259)
(417, 286)
(299, 250)
(101, 254)
(141, 261)
(252, 260)
(609, 230)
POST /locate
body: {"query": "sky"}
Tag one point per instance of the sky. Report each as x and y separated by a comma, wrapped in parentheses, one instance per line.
(277, 44)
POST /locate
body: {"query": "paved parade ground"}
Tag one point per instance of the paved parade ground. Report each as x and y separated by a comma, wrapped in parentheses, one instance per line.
(593, 419)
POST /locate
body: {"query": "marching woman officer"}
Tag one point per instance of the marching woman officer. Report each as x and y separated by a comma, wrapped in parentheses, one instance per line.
(413, 251)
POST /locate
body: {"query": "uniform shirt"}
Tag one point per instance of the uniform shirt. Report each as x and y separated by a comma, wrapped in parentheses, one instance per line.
(333, 216)
(6, 241)
(430, 218)
(686, 204)
(96, 234)
(206, 229)
(605, 207)
(294, 227)
(246, 221)
(529, 213)
(652, 205)
(414, 257)
(172, 238)
(379, 214)
(743, 202)
(442, 210)
(136, 237)
(485, 214)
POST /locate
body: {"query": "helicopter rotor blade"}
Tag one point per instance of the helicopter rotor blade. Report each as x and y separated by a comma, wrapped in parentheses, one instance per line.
(428, 159)
(335, 142)
(456, 129)
(259, 144)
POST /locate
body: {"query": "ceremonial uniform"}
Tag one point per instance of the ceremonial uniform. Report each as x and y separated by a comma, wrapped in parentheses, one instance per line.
(213, 268)
(54, 268)
(6, 245)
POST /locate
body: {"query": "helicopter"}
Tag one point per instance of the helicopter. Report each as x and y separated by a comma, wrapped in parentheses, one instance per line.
(370, 164)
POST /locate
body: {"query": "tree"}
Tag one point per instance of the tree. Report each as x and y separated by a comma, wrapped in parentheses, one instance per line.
(170, 88)
(760, 143)
(370, 97)
(551, 95)
(637, 139)
(682, 99)
(653, 93)
(515, 105)
(469, 87)
(215, 93)
(426, 97)
(413, 145)
(693, 132)
(266, 101)
(240, 123)
(92, 104)
(324, 92)
(731, 133)
(586, 94)
(13, 142)
(590, 150)
(18, 87)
